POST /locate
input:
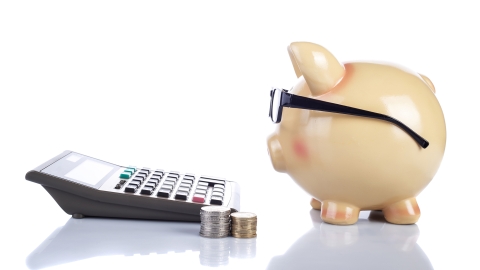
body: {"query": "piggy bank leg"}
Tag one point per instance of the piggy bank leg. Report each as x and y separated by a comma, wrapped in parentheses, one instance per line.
(317, 205)
(339, 213)
(402, 212)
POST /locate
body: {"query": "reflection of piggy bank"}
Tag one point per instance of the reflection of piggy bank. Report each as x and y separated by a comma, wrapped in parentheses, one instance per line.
(350, 163)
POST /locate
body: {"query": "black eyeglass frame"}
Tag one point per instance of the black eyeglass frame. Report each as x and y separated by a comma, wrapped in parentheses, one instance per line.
(294, 101)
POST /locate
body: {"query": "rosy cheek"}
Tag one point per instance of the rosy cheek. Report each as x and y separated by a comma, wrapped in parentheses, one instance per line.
(300, 148)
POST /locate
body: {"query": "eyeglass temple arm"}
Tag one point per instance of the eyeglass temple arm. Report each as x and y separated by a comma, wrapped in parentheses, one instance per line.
(299, 102)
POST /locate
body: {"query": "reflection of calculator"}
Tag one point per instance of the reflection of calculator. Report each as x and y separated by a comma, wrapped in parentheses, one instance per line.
(84, 186)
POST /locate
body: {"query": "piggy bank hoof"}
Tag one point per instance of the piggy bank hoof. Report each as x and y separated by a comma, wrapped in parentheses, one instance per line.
(402, 212)
(339, 213)
(317, 205)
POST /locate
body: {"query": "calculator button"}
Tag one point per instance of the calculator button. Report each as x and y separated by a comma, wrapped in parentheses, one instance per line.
(218, 190)
(132, 168)
(199, 191)
(200, 198)
(131, 171)
(147, 190)
(131, 188)
(174, 173)
(202, 188)
(166, 186)
(219, 186)
(143, 174)
(139, 178)
(149, 186)
(217, 194)
(187, 176)
(155, 178)
(145, 169)
(184, 189)
(169, 182)
(181, 195)
(185, 185)
(187, 181)
(154, 183)
(212, 181)
(165, 193)
(118, 186)
(216, 200)
(135, 182)
(125, 175)
(205, 184)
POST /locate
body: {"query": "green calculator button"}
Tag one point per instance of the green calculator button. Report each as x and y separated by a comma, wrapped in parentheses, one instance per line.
(132, 168)
(125, 175)
(131, 171)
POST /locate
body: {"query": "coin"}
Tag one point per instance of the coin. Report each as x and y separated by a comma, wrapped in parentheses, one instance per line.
(243, 215)
(244, 225)
(215, 221)
(215, 210)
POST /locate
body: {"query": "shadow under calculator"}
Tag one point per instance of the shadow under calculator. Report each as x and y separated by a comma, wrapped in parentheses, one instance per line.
(81, 239)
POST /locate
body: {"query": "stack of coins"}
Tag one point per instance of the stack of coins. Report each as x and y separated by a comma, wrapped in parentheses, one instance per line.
(244, 225)
(214, 221)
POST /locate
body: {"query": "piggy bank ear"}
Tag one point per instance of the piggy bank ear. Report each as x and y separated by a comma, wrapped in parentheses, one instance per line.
(319, 67)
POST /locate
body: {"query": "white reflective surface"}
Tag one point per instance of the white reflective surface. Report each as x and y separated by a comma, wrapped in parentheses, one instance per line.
(370, 244)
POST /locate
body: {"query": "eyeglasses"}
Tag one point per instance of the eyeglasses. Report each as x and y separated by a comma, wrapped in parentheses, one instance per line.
(280, 98)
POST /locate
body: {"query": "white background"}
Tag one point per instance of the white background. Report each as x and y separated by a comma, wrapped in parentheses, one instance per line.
(185, 86)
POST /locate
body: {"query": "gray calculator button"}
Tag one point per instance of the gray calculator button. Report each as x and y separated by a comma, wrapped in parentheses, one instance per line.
(185, 185)
(187, 181)
(216, 200)
(199, 191)
(135, 182)
(203, 184)
(184, 189)
(165, 193)
(181, 195)
(219, 186)
(153, 183)
(143, 174)
(202, 188)
(166, 186)
(131, 188)
(155, 178)
(149, 186)
(219, 194)
(169, 182)
(219, 190)
(139, 177)
(147, 190)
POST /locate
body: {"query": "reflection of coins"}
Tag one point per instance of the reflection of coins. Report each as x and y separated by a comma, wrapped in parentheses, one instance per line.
(214, 252)
(215, 221)
(243, 248)
(244, 225)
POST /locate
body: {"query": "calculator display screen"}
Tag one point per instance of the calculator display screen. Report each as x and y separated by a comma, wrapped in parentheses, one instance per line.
(89, 172)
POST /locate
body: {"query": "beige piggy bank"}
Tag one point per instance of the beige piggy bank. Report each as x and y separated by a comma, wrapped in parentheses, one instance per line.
(349, 163)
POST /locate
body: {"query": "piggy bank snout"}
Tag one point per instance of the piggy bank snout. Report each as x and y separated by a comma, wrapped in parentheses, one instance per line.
(276, 154)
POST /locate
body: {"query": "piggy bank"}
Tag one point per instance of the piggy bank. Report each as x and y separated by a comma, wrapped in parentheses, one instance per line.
(349, 163)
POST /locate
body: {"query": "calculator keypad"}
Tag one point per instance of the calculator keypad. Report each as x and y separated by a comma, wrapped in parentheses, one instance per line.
(172, 185)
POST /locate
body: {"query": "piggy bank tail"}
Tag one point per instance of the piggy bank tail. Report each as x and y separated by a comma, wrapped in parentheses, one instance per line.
(428, 82)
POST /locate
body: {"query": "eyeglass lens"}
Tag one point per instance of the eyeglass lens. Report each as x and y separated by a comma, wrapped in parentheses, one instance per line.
(277, 94)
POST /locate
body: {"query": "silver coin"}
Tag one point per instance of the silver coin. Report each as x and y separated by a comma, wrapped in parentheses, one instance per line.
(215, 210)
(215, 230)
(215, 225)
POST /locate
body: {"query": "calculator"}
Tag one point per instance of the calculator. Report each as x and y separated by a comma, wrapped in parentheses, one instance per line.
(84, 186)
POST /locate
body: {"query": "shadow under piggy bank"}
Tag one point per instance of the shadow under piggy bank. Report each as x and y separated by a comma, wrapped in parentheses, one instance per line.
(371, 243)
